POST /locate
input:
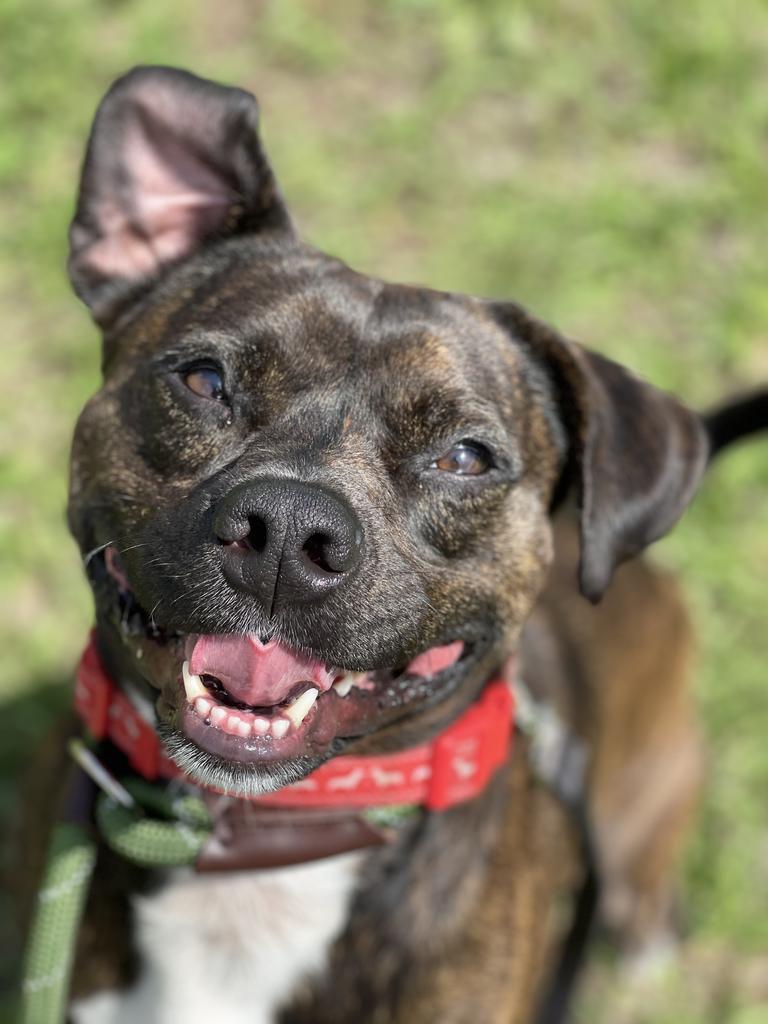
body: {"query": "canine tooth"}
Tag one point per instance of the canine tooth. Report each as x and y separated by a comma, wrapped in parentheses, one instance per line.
(203, 706)
(299, 710)
(344, 685)
(260, 725)
(280, 727)
(218, 716)
(193, 685)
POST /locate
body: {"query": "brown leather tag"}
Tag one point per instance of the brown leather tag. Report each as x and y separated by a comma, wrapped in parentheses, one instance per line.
(248, 835)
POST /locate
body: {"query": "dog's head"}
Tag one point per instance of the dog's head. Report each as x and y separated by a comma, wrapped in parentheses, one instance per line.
(315, 506)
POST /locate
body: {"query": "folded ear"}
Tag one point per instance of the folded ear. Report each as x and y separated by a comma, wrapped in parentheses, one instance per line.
(635, 454)
(173, 160)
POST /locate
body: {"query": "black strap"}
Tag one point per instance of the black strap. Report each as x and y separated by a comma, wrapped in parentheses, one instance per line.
(557, 999)
(561, 761)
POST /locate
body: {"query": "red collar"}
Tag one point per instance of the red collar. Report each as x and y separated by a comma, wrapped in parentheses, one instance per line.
(454, 767)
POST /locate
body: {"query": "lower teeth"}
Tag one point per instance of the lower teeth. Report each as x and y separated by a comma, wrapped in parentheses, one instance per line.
(218, 717)
(208, 705)
(245, 722)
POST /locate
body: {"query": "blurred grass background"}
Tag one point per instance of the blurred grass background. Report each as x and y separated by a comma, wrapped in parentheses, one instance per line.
(603, 164)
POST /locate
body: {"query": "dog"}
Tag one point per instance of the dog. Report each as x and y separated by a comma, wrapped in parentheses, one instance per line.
(320, 512)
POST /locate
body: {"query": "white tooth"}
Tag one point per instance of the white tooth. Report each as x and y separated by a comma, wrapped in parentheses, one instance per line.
(299, 710)
(242, 728)
(218, 716)
(279, 727)
(193, 685)
(203, 707)
(344, 685)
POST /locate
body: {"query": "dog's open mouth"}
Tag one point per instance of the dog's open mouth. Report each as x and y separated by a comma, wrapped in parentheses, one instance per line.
(248, 701)
(241, 699)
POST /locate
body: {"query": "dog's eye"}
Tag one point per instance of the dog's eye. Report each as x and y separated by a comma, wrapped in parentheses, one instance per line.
(205, 381)
(467, 458)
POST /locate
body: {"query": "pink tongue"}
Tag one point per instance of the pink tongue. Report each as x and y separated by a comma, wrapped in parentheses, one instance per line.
(253, 672)
(264, 674)
(436, 659)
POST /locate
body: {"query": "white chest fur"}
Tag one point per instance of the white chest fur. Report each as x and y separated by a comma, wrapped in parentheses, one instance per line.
(229, 948)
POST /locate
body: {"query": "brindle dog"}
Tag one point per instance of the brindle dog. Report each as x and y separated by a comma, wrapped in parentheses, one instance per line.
(362, 477)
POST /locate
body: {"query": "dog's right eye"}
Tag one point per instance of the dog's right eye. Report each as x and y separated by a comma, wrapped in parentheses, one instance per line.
(206, 381)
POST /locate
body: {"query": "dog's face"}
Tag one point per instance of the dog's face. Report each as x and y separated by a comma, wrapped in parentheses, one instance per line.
(319, 503)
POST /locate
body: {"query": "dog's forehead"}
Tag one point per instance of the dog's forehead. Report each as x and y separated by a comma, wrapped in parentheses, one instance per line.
(313, 322)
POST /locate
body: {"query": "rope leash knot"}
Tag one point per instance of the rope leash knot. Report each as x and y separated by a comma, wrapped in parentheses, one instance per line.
(172, 839)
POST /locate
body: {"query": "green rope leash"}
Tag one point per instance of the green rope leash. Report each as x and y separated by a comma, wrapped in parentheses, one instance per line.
(50, 951)
(171, 835)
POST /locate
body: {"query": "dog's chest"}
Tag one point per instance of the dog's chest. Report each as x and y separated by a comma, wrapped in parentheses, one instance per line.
(229, 948)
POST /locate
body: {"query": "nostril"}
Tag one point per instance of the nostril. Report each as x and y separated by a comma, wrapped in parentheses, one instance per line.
(251, 534)
(258, 534)
(317, 548)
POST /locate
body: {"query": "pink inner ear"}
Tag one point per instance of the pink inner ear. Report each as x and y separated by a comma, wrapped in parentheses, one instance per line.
(168, 201)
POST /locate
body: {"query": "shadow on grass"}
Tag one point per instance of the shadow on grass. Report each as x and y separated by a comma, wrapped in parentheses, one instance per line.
(26, 719)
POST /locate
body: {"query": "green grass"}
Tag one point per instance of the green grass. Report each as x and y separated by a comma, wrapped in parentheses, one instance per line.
(603, 164)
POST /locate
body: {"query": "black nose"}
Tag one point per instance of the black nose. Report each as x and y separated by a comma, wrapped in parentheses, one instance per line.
(287, 541)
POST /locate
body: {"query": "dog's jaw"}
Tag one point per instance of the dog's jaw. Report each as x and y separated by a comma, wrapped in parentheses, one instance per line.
(221, 741)
(232, 777)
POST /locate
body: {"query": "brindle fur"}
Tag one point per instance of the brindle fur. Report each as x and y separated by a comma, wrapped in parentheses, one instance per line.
(345, 380)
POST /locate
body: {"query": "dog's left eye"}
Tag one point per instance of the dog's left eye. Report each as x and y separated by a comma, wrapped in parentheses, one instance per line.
(206, 381)
(467, 458)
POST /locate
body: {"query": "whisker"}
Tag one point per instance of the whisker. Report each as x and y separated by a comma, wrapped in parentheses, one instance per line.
(90, 555)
